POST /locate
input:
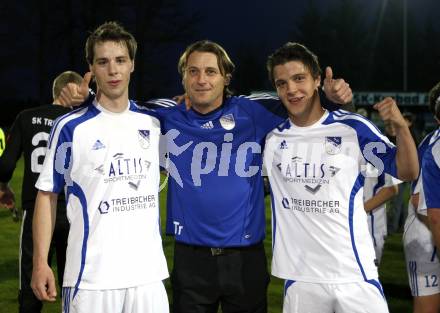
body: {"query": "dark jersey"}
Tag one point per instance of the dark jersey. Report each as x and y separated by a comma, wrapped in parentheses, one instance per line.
(28, 136)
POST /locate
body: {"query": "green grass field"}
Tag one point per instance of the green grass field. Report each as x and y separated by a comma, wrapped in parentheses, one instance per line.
(392, 272)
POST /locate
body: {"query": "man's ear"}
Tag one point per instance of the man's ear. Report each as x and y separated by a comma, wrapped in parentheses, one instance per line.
(318, 81)
(132, 66)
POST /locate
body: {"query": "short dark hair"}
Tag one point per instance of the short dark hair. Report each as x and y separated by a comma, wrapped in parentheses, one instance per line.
(62, 80)
(110, 31)
(224, 62)
(293, 51)
(434, 100)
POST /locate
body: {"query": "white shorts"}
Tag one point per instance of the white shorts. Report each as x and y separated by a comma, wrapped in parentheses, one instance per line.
(422, 263)
(301, 297)
(424, 278)
(150, 298)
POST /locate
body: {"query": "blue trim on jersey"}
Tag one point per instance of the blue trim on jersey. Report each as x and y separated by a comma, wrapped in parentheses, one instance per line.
(341, 113)
(274, 217)
(367, 133)
(79, 193)
(63, 297)
(431, 172)
(160, 103)
(284, 125)
(358, 184)
(57, 121)
(380, 183)
(434, 253)
(372, 228)
(421, 149)
(66, 299)
(287, 284)
(66, 136)
(413, 278)
(378, 285)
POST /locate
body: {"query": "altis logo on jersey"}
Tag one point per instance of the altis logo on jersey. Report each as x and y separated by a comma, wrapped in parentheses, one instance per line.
(312, 175)
(124, 168)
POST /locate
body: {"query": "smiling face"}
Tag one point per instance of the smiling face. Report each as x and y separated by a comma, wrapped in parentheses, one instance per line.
(298, 91)
(112, 68)
(203, 81)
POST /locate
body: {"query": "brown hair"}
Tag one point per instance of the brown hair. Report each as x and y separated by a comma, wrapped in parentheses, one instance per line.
(293, 51)
(224, 62)
(110, 31)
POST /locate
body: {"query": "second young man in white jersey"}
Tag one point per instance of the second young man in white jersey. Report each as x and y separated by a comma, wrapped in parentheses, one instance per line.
(321, 244)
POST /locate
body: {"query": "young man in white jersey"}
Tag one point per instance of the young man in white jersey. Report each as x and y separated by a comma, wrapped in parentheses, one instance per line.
(321, 244)
(421, 226)
(106, 155)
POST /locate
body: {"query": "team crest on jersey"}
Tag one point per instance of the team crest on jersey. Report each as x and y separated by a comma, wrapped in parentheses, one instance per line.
(333, 145)
(227, 121)
(144, 138)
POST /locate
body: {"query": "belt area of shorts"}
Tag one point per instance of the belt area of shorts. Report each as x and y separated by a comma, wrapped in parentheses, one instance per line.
(220, 251)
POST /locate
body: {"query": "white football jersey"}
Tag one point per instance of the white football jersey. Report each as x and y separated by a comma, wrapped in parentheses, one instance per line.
(320, 231)
(109, 165)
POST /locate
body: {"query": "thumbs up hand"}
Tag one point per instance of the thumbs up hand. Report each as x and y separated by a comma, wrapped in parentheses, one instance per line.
(336, 90)
(73, 94)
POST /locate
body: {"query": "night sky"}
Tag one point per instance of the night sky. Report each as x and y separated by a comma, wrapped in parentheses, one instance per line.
(242, 27)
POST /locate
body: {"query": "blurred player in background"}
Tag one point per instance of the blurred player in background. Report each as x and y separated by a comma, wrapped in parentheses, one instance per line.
(28, 137)
(378, 189)
(421, 236)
